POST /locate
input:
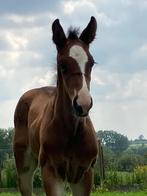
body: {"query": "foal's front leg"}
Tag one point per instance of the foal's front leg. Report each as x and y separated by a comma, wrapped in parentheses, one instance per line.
(53, 186)
(83, 187)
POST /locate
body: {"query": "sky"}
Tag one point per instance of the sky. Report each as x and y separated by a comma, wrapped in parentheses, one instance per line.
(119, 79)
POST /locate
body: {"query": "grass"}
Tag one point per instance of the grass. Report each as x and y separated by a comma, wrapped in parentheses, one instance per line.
(94, 194)
(120, 194)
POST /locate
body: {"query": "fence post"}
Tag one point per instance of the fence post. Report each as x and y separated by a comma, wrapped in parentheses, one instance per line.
(101, 164)
(0, 177)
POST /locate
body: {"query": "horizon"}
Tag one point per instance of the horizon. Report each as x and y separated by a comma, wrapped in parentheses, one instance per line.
(118, 132)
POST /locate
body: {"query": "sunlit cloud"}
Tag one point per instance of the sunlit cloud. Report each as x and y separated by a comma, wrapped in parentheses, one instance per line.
(37, 81)
(16, 42)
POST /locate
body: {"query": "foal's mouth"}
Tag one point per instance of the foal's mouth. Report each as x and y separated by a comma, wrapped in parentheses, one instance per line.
(77, 114)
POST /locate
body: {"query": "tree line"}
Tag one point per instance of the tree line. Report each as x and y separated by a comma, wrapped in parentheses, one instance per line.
(119, 151)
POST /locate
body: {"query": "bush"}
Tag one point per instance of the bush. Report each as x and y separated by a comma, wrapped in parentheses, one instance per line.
(128, 162)
(109, 158)
(141, 175)
(8, 174)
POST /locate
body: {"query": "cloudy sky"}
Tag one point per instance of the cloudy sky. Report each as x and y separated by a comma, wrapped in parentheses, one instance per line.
(119, 80)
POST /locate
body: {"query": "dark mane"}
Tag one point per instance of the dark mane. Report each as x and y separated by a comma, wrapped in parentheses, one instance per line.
(73, 33)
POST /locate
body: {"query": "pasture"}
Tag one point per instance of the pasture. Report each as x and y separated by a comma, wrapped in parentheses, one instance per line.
(93, 194)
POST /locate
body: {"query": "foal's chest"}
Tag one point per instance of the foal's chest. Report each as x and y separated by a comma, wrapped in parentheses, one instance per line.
(71, 157)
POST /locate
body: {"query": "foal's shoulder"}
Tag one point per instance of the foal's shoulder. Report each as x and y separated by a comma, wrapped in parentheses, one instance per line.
(37, 95)
(48, 90)
(43, 91)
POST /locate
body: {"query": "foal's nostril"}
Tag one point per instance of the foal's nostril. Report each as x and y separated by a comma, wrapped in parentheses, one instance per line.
(78, 108)
(81, 110)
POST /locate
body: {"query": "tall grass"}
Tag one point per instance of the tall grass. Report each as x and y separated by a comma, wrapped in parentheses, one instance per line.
(8, 174)
(125, 180)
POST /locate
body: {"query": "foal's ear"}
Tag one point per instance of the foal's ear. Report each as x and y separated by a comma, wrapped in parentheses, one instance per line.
(89, 32)
(59, 37)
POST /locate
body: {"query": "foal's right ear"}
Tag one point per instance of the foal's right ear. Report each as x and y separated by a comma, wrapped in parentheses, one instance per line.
(59, 37)
(89, 32)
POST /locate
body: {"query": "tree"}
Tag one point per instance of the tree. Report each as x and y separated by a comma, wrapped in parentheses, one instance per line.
(109, 158)
(138, 150)
(141, 137)
(5, 143)
(113, 140)
(128, 162)
(6, 138)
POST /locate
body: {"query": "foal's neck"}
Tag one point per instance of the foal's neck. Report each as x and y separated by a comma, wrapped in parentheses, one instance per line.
(64, 109)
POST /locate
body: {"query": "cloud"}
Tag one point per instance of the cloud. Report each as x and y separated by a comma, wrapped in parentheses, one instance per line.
(37, 81)
(137, 86)
(84, 9)
(120, 101)
(71, 6)
(16, 42)
(142, 51)
(129, 118)
(7, 113)
(117, 87)
(32, 6)
(142, 3)
(23, 23)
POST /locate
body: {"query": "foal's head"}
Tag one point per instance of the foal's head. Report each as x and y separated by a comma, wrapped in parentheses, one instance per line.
(74, 64)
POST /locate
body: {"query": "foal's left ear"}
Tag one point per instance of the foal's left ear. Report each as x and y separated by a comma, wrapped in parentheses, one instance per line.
(89, 32)
(59, 37)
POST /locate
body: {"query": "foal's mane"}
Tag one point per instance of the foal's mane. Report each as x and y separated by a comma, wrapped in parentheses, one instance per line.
(73, 33)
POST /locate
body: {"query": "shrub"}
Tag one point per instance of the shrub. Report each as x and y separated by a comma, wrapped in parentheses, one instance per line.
(141, 175)
(8, 174)
(128, 162)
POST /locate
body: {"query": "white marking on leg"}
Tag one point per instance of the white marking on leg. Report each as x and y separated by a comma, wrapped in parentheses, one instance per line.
(60, 188)
(25, 181)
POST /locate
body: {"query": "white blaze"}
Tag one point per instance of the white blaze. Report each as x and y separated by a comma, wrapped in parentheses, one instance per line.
(79, 54)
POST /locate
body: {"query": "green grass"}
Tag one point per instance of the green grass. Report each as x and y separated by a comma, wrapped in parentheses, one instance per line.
(95, 194)
(120, 194)
(9, 194)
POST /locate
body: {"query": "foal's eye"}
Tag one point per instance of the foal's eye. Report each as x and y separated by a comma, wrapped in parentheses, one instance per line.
(63, 68)
(92, 64)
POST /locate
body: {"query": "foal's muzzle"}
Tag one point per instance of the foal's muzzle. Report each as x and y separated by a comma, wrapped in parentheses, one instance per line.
(81, 110)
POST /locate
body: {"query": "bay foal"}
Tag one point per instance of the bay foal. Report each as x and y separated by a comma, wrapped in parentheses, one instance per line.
(52, 126)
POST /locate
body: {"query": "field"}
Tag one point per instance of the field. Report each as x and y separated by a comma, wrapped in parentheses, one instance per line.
(93, 194)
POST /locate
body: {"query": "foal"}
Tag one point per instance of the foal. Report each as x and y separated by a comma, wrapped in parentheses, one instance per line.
(52, 126)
